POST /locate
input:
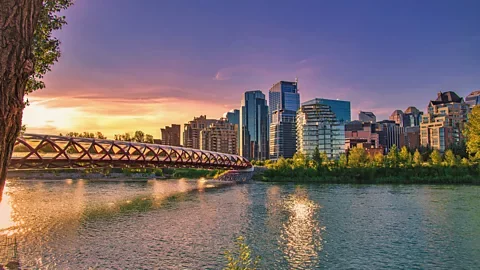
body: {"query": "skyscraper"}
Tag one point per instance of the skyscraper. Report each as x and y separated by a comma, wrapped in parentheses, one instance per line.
(318, 126)
(233, 117)
(442, 126)
(341, 108)
(254, 126)
(284, 102)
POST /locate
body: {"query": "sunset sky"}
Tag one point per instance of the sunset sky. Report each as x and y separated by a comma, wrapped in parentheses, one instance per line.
(141, 65)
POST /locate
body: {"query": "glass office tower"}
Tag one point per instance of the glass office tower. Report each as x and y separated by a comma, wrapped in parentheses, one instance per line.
(341, 108)
(284, 102)
(254, 126)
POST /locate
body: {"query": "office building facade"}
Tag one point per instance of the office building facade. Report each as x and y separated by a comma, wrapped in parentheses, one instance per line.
(390, 133)
(444, 121)
(233, 117)
(284, 102)
(171, 135)
(254, 126)
(318, 126)
(341, 108)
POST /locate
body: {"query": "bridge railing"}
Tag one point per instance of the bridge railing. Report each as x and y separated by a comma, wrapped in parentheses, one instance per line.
(36, 151)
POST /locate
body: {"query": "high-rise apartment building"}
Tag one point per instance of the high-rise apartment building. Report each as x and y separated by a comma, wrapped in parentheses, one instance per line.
(341, 108)
(234, 118)
(191, 131)
(444, 121)
(284, 102)
(368, 117)
(220, 136)
(254, 126)
(171, 135)
(318, 126)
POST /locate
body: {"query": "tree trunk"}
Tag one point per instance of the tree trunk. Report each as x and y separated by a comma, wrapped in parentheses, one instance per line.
(18, 19)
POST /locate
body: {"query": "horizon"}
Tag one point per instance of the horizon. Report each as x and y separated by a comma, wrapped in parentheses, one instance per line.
(127, 67)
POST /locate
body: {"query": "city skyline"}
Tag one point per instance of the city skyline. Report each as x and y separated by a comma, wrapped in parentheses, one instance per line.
(169, 70)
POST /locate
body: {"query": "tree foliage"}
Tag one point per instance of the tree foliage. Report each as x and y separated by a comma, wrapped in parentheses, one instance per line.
(357, 157)
(472, 132)
(46, 47)
(417, 158)
(436, 157)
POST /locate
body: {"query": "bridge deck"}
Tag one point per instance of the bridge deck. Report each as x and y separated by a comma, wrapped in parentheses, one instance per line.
(35, 151)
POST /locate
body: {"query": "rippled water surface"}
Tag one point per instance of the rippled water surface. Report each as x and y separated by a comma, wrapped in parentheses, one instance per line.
(188, 224)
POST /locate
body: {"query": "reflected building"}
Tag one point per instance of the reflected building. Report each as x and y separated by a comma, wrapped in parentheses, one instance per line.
(318, 126)
(254, 126)
(284, 102)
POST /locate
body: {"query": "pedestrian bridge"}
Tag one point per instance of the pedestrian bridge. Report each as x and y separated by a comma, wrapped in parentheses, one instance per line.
(35, 151)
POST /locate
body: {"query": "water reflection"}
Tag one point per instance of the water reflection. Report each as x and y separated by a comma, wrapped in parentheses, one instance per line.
(301, 237)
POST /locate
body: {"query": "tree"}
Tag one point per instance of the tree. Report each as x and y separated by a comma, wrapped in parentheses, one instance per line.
(100, 136)
(393, 157)
(379, 159)
(27, 52)
(450, 158)
(299, 160)
(316, 156)
(148, 138)
(342, 161)
(139, 136)
(405, 156)
(357, 157)
(436, 157)
(417, 158)
(472, 132)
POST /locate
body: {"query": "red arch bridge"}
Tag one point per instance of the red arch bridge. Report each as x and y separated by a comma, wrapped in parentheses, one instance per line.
(34, 151)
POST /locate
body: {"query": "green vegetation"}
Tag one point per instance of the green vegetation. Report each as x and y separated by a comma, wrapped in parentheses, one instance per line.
(397, 167)
(472, 132)
(241, 259)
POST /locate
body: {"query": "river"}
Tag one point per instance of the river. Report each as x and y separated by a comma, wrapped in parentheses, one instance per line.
(189, 224)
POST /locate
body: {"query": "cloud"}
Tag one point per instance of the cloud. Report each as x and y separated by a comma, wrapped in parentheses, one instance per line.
(240, 72)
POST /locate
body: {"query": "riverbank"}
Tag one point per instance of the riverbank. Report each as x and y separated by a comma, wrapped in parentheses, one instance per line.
(112, 174)
(373, 175)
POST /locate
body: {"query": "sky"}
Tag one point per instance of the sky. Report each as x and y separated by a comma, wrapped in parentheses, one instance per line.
(141, 65)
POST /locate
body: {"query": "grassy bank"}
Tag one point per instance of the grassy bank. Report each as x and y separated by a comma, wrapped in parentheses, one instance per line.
(372, 175)
(161, 173)
(398, 167)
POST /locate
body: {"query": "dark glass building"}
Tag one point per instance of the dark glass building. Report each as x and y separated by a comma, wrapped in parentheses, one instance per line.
(233, 117)
(254, 126)
(341, 108)
(284, 102)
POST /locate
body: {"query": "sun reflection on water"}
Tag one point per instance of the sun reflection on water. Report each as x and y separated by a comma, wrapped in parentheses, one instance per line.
(301, 237)
(6, 219)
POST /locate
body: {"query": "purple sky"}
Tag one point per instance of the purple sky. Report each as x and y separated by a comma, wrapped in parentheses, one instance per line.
(129, 65)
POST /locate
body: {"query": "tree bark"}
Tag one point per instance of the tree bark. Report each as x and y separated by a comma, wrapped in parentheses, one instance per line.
(18, 19)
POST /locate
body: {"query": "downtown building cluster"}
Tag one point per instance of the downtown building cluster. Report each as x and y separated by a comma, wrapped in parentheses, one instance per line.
(283, 126)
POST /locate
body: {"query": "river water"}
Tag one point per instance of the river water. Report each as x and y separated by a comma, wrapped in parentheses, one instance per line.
(189, 224)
